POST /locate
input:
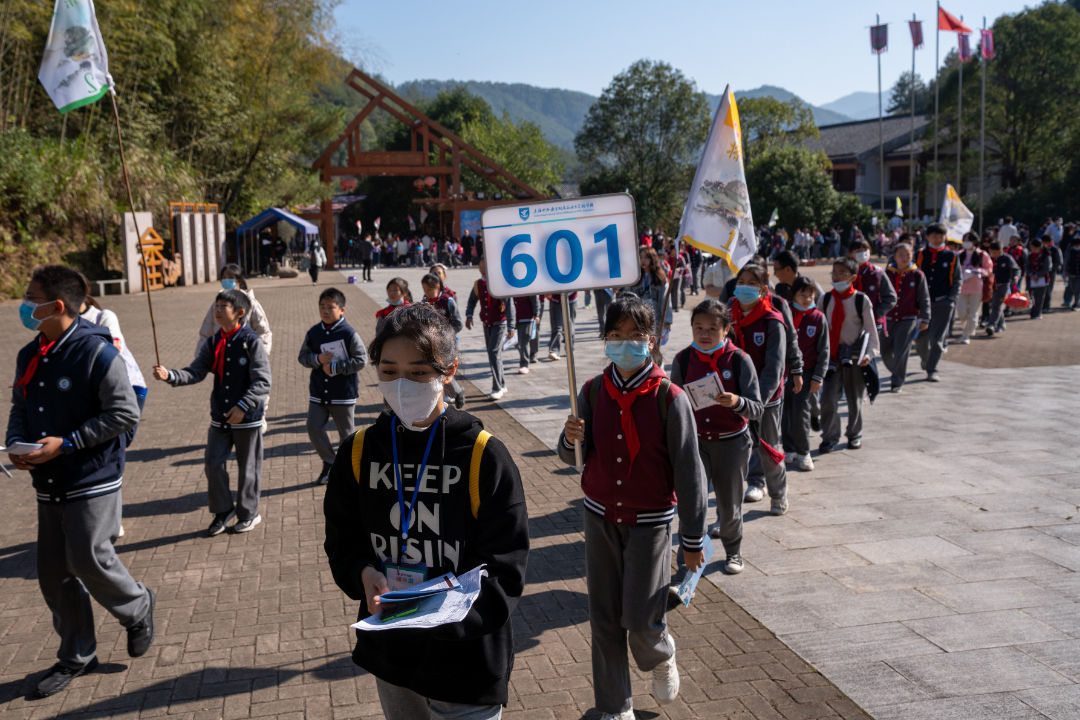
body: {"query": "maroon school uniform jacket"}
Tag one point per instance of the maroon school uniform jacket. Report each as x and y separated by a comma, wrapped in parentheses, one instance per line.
(912, 294)
(716, 422)
(813, 333)
(769, 359)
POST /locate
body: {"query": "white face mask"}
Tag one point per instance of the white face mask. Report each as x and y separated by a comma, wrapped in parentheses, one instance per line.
(862, 257)
(968, 245)
(412, 401)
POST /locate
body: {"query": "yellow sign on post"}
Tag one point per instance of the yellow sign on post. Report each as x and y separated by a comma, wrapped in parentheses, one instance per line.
(152, 247)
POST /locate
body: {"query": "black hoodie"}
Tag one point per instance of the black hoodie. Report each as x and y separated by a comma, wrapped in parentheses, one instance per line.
(470, 661)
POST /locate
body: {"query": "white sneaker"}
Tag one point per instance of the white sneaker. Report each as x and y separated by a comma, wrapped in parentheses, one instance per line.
(802, 462)
(523, 370)
(753, 494)
(497, 394)
(553, 356)
(624, 715)
(665, 679)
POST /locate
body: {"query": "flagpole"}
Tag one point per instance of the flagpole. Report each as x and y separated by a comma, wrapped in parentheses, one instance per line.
(135, 221)
(880, 129)
(937, 91)
(959, 117)
(982, 129)
(911, 141)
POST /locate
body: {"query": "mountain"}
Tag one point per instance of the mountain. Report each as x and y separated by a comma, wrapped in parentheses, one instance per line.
(857, 105)
(561, 113)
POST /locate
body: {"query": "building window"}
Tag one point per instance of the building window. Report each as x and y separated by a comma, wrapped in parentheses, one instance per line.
(844, 179)
(899, 175)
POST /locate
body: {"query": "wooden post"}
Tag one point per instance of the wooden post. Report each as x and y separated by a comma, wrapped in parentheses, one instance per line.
(326, 220)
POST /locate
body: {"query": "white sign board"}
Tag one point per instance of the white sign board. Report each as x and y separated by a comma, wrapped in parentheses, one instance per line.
(560, 246)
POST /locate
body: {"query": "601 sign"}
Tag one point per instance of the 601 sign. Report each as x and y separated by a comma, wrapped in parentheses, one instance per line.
(510, 261)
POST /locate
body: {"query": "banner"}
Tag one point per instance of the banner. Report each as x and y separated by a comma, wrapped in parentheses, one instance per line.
(955, 216)
(986, 44)
(949, 23)
(963, 48)
(879, 39)
(899, 212)
(377, 221)
(774, 217)
(717, 216)
(412, 224)
(359, 227)
(423, 215)
(75, 66)
(916, 33)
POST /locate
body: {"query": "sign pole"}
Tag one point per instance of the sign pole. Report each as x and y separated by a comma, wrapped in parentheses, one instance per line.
(568, 332)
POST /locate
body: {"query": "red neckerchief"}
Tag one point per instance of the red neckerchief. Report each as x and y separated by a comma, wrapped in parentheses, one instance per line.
(837, 319)
(711, 359)
(798, 315)
(857, 282)
(219, 350)
(32, 366)
(739, 321)
(626, 418)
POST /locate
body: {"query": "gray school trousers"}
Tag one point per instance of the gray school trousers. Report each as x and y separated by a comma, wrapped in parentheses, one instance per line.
(726, 462)
(763, 472)
(400, 703)
(558, 326)
(528, 343)
(76, 560)
(795, 419)
(996, 321)
(896, 347)
(318, 421)
(931, 342)
(494, 337)
(249, 458)
(627, 572)
(846, 379)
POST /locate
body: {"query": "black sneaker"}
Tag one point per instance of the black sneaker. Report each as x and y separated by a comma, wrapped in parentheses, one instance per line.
(218, 525)
(141, 634)
(826, 447)
(459, 400)
(324, 476)
(854, 443)
(247, 525)
(60, 676)
(815, 423)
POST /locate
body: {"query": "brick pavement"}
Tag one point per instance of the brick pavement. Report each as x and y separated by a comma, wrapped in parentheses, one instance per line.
(253, 625)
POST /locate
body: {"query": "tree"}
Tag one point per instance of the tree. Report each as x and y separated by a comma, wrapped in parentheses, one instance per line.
(645, 133)
(794, 180)
(900, 95)
(766, 123)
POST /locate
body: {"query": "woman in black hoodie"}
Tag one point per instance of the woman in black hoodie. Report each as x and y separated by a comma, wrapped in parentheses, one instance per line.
(468, 509)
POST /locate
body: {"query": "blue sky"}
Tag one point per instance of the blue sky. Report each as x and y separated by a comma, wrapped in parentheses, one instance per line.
(818, 49)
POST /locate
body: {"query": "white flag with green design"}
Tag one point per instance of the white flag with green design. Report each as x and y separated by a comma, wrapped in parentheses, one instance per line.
(75, 68)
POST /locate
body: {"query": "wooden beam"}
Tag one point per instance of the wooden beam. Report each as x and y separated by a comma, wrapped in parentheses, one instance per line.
(380, 170)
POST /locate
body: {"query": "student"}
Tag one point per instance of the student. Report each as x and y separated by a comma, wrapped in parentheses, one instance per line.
(786, 271)
(639, 445)
(71, 394)
(1039, 272)
(813, 334)
(467, 509)
(335, 354)
(723, 428)
(975, 267)
(559, 325)
(397, 294)
(1016, 250)
(871, 281)
(761, 331)
(439, 270)
(942, 270)
(653, 290)
(436, 295)
(1071, 265)
(497, 317)
(1006, 280)
(232, 278)
(241, 389)
(1057, 261)
(850, 318)
(910, 315)
(527, 310)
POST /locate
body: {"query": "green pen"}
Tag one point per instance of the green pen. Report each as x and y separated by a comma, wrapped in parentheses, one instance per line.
(401, 614)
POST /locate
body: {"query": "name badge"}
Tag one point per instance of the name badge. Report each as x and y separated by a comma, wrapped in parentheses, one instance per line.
(402, 576)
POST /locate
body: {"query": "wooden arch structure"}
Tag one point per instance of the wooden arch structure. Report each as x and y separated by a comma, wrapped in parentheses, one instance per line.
(435, 151)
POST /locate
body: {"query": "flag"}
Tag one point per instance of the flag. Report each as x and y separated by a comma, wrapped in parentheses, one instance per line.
(359, 227)
(899, 208)
(377, 223)
(986, 44)
(75, 67)
(412, 224)
(423, 215)
(963, 48)
(879, 38)
(717, 216)
(774, 217)
(949, 23)
(916, 33)
(955, 216)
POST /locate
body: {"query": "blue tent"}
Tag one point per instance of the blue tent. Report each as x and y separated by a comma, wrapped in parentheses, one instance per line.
(247, 235)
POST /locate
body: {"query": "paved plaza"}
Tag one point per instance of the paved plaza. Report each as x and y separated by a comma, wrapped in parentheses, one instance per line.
(932, 574)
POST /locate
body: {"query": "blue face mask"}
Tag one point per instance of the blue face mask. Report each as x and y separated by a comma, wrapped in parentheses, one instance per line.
(841, 286)
(394, 304)
(800, 308)
(228, 283)
(26, 314)
(747, 294)
(711, 350)
(627, 354)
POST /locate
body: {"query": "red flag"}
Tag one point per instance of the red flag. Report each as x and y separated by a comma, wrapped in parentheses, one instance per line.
(916, 33)
(986, 44)
(949, 23)
(377, 222)
(879, 38)
(964, 47)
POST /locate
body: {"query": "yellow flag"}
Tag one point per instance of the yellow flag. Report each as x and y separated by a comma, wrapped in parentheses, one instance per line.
(955, 216)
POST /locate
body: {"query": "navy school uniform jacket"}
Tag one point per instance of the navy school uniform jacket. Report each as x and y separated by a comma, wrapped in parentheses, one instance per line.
(737, 375)
(341, 386)
(943, 272)
(465, 662)
(80, 392)
(246, 381)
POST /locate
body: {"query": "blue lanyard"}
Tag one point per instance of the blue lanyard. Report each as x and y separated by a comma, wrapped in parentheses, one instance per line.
(407, 516)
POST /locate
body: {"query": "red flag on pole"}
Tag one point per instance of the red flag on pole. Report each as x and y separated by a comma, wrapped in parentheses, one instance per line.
(916, 33)
(879, 38)
(986, 44)
(949, 23)
(964, 47)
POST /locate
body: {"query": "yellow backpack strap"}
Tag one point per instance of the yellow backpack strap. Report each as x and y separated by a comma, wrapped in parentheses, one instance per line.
(474, 471)
(357, 452)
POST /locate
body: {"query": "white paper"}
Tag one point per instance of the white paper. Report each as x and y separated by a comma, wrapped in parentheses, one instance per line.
(703, 392)
(442, 609)
(21, 448)
(336, 348)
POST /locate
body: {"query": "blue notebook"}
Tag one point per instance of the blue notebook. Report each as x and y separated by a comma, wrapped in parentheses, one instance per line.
(689, 583)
